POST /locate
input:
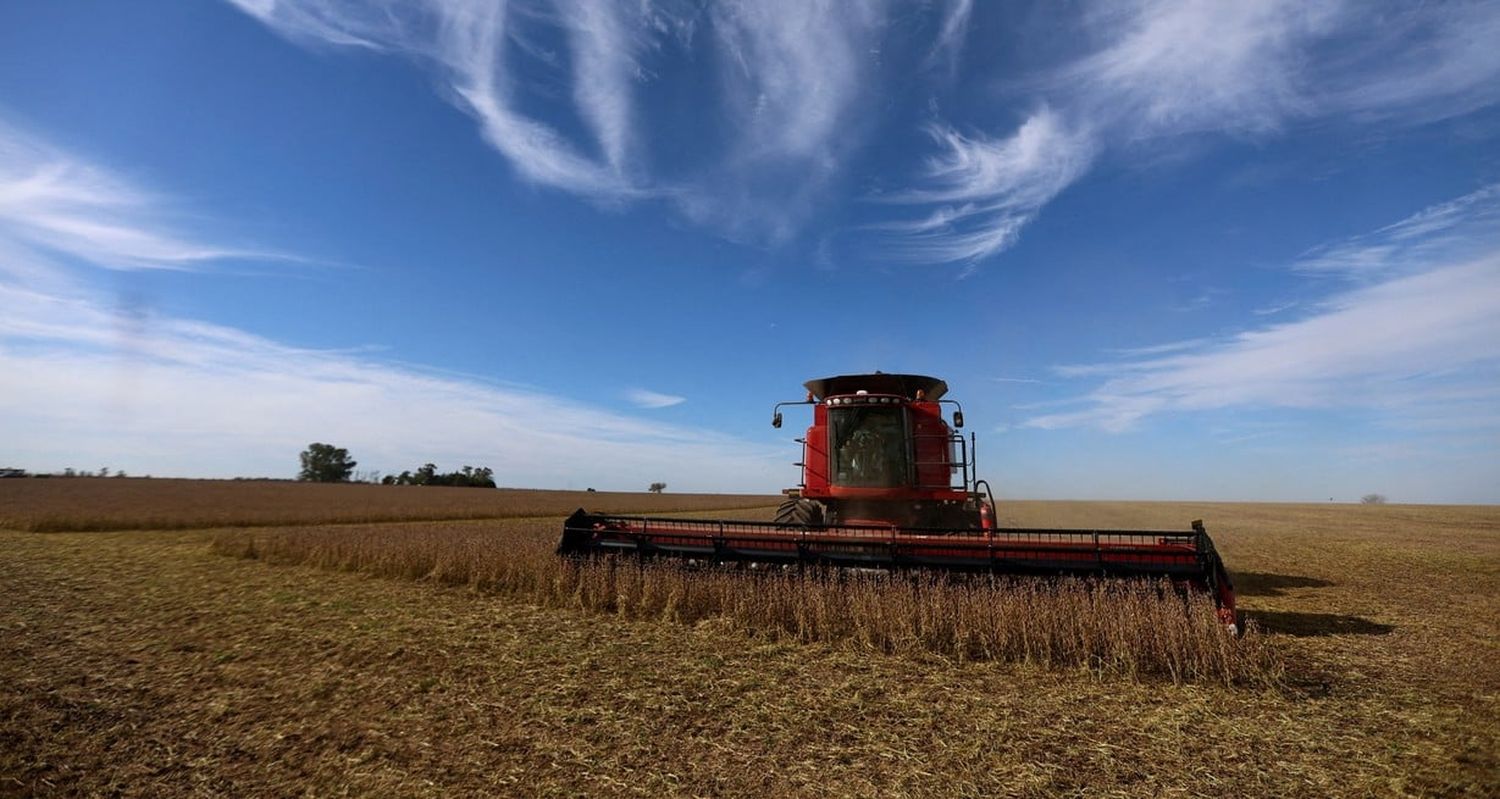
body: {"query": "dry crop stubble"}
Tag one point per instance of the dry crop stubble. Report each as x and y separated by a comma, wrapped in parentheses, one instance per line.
(143, 664)
(1132, 628)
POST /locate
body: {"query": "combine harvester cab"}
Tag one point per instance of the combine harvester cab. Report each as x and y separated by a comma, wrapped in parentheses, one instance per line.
(887, 483)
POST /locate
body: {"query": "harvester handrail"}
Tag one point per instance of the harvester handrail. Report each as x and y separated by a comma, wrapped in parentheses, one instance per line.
(1195, 536)
(964, 462)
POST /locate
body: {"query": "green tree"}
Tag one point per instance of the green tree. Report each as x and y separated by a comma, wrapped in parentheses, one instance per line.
(657, 488)
(325, 463)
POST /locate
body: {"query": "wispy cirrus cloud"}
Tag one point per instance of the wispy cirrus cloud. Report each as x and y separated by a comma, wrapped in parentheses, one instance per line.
(1414, 342)
(605, 48)
(1470, 222)
(1159, 349)
(1160, 68)
(160, 395)
(791, 69)
(468, 43)
(1167, 68)
(793, 76)
(983, 191)
(89, 381)
(53, 201)
(953, 31)
(794, 79)
(1428, 62)
(645, 398)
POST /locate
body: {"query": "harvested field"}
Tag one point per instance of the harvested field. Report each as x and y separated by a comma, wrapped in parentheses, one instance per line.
(78, 504)
(144, 663)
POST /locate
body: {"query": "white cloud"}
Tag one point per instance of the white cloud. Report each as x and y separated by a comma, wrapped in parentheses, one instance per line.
(1358, 351)
(50, 200)
(1166, 68)
(1418, 60)
(792, 69)
(1170, 67)
(86, 381)
(1418, 345)
(1432, 234)
(985, 190)
(604, 71)
(466, 40)
(1275, 308)
(1158, 349)
(86, 385)
(791, 73)
(954, 30)
(797, 81)
(646, 398)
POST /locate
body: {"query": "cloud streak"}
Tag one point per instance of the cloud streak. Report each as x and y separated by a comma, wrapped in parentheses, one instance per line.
(791, 69)
(176, 396)
(56, 202)
(646, 398)
(1466, 223)
(985, 190)
(1417, 344)
(88, 382)
(466, 41)
(790, 72)
(1161, 68)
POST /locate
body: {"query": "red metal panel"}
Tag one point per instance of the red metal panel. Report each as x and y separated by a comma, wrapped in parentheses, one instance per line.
(930, 445)
(815, 455)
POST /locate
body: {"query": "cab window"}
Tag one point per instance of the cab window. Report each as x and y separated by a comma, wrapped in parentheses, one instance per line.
(869, 446)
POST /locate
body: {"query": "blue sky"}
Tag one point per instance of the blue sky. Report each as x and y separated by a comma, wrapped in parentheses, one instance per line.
(1159, 250)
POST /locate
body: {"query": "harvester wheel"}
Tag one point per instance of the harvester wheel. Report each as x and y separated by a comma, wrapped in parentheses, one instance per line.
(800, 513)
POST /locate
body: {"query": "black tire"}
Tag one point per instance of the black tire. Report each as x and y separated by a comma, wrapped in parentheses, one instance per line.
(800, 513)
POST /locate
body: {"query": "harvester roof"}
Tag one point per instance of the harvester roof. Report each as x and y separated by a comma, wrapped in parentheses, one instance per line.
(878, 383)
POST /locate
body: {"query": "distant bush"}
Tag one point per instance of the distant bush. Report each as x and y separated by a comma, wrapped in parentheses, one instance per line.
(657, 488)
(1372, 499)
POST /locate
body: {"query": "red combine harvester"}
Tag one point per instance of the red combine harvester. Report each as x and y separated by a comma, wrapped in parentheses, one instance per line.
(887, 483)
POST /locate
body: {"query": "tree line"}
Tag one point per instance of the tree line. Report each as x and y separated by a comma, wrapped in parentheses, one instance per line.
(428, 475)
(325, 463)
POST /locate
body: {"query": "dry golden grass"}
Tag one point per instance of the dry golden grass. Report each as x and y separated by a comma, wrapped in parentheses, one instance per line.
(91, 504)
(143, 664)
(1131, 628)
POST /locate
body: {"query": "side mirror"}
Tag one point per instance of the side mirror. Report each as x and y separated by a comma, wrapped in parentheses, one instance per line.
(958, 418)
(776, 420)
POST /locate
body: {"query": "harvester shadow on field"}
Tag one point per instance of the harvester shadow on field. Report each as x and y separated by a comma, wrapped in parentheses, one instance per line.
(1307, 625)
(1269, 584)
